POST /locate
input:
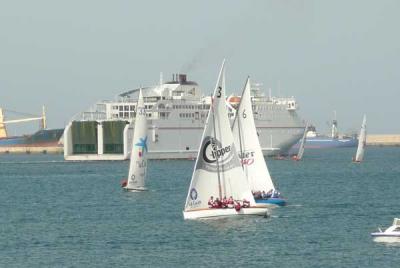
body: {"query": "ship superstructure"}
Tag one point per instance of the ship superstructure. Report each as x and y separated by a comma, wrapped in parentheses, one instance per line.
(176, 113)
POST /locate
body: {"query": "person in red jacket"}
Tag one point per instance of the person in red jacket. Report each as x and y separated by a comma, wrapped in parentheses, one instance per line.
(211, 202)
(246, 203)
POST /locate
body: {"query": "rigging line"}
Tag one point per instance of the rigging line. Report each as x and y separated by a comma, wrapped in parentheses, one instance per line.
(20, 113)
(240, 138)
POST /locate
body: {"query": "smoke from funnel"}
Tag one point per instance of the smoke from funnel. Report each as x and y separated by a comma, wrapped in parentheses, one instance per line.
(206, 56)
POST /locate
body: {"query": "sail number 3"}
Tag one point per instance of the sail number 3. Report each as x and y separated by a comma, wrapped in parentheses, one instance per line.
(219, 92)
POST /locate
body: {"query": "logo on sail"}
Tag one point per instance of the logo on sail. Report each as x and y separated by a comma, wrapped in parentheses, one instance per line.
(142, 146)
(193, 194)
(214, 156)
(246, 158)
(194, 202)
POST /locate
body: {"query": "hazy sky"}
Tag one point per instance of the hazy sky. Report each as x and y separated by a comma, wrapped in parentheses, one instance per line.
(330, 55)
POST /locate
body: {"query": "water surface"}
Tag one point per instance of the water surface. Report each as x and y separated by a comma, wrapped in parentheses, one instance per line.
(74, 214)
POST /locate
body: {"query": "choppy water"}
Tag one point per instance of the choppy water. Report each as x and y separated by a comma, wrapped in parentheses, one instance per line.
(64, 214)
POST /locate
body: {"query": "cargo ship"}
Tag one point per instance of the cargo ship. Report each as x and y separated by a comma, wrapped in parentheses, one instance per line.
(42, 140)
(317, 141)
(176, 113)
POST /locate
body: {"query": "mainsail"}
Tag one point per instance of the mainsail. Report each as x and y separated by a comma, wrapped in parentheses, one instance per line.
(302, 143)
(217, 171)
(246, 140)
(362, 140)
(138, 163)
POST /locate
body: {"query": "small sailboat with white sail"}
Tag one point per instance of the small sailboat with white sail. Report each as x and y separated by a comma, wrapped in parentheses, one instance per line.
(217, 172)
(362, 141)
(300, 153)
(138, 160)
(250, 153)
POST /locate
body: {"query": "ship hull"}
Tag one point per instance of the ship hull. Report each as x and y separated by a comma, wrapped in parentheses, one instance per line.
(326, 142)
(42, 138)
(179, 143)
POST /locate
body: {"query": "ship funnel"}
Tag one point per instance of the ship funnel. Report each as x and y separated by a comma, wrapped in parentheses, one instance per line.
(182, 78)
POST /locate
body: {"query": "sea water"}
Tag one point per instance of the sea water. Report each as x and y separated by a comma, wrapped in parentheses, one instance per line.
(74, 214)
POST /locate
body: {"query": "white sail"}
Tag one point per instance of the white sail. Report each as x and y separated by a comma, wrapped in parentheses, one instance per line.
(138, 163)
(362, 140)
(246, 140)
(217, 171)
(302, 143)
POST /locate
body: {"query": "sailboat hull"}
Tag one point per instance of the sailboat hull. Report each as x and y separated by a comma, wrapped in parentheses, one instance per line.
(272, 201)
(135, 189)
(224, 212)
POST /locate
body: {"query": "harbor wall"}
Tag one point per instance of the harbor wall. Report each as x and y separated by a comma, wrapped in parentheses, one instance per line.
(31, 150)
(383, 140)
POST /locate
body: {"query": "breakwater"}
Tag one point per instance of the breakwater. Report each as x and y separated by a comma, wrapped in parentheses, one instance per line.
(383, 140)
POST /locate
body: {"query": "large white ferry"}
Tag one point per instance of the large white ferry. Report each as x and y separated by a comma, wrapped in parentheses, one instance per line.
(176, 113)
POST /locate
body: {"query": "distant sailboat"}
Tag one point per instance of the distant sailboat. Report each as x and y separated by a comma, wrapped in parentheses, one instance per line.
(300, 153)
(138, 162)
(362, 141)
(250, 153)
(217, 172)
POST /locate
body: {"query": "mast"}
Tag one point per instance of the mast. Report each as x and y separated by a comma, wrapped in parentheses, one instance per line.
(161, 78)
(215, 145)
(239, 126)
(240, 143)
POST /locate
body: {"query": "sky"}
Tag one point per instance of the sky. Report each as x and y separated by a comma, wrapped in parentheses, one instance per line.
(341, 56)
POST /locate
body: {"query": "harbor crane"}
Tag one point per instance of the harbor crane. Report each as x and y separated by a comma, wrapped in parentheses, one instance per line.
(3, 130)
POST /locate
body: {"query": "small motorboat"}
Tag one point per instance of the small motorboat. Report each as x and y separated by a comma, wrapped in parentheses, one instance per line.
(274, 198)
(390, 235)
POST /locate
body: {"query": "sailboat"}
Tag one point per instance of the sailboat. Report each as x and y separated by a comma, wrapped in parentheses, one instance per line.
(300, 153)
(138, 160)
(250, 153)
(217, 172)
(362, 140)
